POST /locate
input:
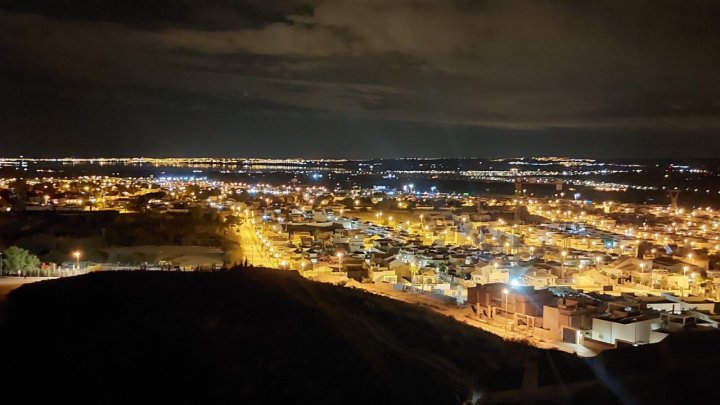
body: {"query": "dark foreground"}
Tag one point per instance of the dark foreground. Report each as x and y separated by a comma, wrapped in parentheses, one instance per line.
(257, 336)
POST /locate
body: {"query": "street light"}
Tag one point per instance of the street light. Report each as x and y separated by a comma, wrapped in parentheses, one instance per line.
(413, 270)
(77, 258)
(340, 259)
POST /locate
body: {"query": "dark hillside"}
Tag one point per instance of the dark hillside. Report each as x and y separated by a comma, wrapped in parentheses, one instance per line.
(258, 336)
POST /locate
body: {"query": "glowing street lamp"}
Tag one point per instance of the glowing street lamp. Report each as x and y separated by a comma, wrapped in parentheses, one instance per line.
(340, 259)
(77, 255)
(413, 271)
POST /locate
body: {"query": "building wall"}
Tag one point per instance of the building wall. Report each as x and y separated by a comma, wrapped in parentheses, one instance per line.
(628, 332)
(551, 321)
(610, 332)
(528, 305)
(580, 321)
(387, 276)
(602, 331)
(554, 319)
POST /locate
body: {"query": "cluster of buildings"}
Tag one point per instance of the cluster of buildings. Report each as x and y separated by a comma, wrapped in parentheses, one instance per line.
(596, 320)
(121, 194)
(597, 275)
(569, 270)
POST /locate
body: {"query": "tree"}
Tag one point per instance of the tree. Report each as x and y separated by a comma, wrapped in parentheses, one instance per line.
(385, 204)
(348, 203)
(16, 259)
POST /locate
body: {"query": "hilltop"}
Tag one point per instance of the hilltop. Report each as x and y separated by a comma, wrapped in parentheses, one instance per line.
(261, 336)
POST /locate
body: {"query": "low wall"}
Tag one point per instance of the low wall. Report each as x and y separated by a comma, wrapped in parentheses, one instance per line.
(596, 344)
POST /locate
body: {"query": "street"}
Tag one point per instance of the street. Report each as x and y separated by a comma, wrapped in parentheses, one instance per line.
(251, 247)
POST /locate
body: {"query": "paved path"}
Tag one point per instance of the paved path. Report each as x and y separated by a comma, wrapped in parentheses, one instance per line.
(251, 247)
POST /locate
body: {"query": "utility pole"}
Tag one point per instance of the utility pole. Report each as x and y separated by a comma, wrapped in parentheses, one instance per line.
(505, 292)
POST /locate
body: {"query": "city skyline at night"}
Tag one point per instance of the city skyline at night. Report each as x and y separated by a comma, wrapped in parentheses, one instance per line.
(460, 202)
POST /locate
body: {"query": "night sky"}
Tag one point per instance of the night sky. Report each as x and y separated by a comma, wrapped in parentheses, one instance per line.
(360, 78)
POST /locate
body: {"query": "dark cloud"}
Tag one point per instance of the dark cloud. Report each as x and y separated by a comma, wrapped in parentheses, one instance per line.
(487, 68)
(157, 14)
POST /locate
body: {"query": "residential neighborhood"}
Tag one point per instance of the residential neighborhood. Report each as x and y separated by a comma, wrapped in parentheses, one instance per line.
(572, 273)
(579, 275)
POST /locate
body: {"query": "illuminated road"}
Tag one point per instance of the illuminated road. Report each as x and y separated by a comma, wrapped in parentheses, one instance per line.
(251, 247)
